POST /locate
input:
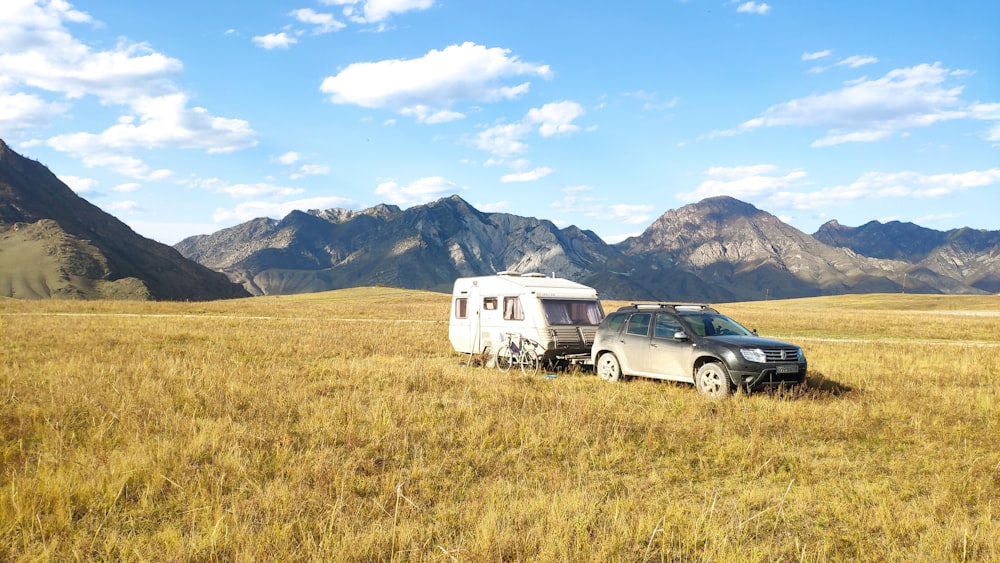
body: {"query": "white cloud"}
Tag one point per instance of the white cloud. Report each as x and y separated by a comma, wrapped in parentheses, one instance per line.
(556, 118)
(80, 185)
(310, 170)
(421, 191)
(275, 210)
(127, 206)
(881, 185)
(21, 112)
(167, 121)
(289, 158)
(375, 11)
(433, 83)
(38, 51)
(816, 55)
(745, 182)
(766, 183)
(529, 176)
(549, 120)
(503, 140)
(324, 23)
(869, 110)
(988, 112)
(753, 8)
(575, 200)
(275, 41)
(856, 61)
(425, 114)
(242, 190)
(79, 145)
(493, 207)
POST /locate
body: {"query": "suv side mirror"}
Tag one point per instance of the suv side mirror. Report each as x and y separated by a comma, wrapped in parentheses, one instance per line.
(680, 335)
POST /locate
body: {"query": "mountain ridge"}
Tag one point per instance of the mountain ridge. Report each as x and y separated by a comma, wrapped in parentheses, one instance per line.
(53, 243)
(719, 249)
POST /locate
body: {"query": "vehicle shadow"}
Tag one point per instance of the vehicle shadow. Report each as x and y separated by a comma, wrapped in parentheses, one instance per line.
(816, 386)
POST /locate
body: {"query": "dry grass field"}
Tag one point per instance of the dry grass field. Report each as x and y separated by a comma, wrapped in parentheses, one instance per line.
(341, 426)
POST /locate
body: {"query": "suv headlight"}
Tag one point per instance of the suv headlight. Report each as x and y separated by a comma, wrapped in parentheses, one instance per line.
(753, 354)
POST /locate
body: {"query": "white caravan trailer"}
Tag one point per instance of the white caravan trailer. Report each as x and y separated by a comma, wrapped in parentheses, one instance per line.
(559, 314)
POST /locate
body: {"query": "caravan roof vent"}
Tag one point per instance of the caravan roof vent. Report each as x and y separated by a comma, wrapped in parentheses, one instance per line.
(508, 273)
(533, 275)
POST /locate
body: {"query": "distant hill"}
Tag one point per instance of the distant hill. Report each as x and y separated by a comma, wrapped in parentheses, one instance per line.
(970, 256)
(55, 244)
(720, 249)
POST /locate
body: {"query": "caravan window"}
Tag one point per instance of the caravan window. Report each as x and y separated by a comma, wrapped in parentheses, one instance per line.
(512, 310)
(461, 308)
(489, 303)
(572, 312)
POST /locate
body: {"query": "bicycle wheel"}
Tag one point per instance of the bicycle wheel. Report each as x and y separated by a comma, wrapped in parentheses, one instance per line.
(529, 361)
(505, 358)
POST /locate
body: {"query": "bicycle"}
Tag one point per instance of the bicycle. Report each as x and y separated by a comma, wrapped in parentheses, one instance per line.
(517, 350)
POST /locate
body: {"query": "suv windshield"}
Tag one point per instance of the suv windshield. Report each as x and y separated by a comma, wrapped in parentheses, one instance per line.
(714, 324)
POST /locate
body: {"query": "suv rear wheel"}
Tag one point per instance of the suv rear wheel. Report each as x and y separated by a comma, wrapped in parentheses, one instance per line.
(608, 367)
(713, 380)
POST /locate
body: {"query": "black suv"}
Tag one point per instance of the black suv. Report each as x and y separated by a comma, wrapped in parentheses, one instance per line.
(694, 344)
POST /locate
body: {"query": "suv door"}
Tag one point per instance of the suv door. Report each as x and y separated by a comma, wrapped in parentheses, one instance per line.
(635, 343)
(668, 358)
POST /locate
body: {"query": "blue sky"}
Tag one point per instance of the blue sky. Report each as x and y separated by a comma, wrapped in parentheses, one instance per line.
(186, 117)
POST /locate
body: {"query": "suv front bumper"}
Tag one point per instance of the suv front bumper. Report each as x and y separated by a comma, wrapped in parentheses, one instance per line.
(769, 374)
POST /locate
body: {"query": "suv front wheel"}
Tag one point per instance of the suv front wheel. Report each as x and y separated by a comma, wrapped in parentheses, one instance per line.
(608, 367)
(713, 380)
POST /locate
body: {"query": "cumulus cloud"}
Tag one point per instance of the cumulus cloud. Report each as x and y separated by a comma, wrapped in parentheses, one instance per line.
(503, 140)
(556, 118)
(310, 170)
(124, 206)
(745, 182)
(80, 185)
(275, 41)
(753, 8)
(289, 158)
(433, 83)
(421, 191)
(376, 11)
(549, 120)
(21, 112)
(323, 23)
(38, 51)
(869, 110)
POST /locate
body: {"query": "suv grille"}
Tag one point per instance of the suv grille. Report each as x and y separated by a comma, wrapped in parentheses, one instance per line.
(781, 354)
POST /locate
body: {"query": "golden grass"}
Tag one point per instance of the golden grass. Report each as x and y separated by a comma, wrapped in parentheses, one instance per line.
(303, 428)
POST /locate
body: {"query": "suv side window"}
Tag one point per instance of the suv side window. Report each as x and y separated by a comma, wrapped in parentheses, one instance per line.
(665, 327)
(614, 322)
(638, 324)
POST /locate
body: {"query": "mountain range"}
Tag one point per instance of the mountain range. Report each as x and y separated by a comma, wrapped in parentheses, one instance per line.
(55, 244)
(719, 249)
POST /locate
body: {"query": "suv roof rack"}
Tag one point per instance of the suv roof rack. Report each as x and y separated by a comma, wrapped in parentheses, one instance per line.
(673, 306)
